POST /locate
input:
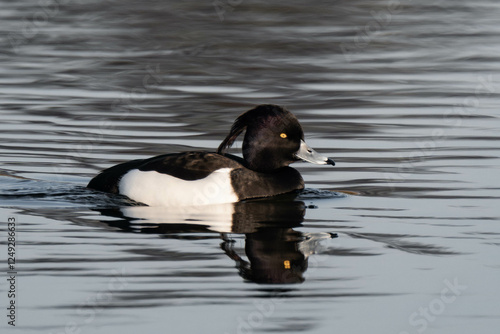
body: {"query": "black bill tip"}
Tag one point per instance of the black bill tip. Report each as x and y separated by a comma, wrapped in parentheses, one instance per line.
(330, 162)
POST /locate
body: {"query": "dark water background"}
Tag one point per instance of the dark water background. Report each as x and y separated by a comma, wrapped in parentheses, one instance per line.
(404, 95)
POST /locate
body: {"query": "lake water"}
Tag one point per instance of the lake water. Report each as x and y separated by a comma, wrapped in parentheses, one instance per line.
(401, 236)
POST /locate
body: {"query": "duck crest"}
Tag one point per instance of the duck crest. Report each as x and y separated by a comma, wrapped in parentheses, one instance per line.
(260, 116)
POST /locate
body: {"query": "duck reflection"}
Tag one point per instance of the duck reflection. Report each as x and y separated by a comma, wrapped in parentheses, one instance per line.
(275, 252)
(274, 256)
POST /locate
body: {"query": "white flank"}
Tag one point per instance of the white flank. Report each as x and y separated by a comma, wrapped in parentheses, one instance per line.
(157, 189)
(217, 217)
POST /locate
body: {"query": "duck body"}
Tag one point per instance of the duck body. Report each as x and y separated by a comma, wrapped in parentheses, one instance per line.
(194, 178)
(273, 140)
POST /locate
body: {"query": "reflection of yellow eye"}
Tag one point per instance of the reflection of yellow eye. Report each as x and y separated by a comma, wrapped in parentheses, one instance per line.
(283, 135)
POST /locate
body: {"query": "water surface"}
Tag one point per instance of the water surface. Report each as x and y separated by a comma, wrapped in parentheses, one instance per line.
(401, 236)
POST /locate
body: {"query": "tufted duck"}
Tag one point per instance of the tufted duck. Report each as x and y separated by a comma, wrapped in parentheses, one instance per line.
(273, 140)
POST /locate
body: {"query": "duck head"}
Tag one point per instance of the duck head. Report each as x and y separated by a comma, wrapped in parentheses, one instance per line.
(273, 139)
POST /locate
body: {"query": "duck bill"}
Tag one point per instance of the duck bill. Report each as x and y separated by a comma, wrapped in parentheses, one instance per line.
(308, 154)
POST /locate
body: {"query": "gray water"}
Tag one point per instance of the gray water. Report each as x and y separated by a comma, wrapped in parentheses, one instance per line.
(401, 236)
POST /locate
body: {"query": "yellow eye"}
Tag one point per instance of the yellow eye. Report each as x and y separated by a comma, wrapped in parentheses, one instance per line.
(283, 135)
(286, 264)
